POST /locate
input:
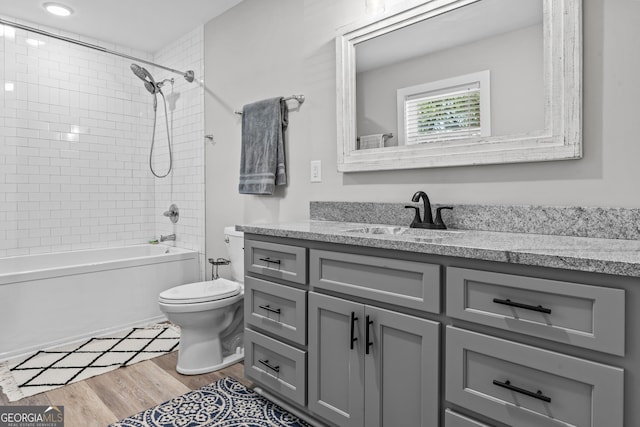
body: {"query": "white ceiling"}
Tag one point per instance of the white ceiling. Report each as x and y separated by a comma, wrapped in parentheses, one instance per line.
(146, 25)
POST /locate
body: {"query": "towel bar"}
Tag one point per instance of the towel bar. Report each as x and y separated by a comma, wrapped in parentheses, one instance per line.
(299, 98)
(384, 135)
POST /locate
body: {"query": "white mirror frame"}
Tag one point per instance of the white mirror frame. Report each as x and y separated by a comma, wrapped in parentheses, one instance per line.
(560, 139)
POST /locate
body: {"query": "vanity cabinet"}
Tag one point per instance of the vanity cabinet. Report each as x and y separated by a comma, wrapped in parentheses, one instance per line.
(354, 336)
(370, 366)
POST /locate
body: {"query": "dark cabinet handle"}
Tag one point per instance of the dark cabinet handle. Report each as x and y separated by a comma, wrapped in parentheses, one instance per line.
(508, 302)
(537, 395)
(272, 310)
(270, 366)
(270, 261)
(353, 325)
(369, 343)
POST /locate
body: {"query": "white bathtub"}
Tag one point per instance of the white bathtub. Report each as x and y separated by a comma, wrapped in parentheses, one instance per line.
(57, 298)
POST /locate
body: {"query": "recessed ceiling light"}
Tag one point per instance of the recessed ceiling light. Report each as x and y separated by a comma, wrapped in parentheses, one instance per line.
(58, 9)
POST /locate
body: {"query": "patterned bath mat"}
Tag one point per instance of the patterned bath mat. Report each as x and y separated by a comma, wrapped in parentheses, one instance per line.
(53, 368)
(223, 403)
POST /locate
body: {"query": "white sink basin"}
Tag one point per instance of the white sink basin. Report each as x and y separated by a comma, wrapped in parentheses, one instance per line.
(427, 232)
(392, 230)
(414, 233)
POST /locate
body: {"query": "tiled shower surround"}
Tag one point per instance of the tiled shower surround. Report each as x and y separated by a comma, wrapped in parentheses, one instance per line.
(75, 131)
(185, 185)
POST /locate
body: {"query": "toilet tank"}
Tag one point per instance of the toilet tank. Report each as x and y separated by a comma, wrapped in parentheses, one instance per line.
(235, 249)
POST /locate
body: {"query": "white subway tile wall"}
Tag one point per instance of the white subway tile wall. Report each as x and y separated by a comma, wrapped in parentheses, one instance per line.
(185, 106)
(75, 132)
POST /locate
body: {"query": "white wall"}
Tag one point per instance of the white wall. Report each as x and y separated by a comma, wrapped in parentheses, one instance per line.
(264, 48)
(253, 52)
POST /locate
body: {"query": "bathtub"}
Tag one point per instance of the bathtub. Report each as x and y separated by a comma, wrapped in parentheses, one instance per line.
(58, 298)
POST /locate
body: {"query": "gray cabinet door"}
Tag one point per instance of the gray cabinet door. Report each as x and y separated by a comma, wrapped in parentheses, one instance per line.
(336, 371)
(401, 370)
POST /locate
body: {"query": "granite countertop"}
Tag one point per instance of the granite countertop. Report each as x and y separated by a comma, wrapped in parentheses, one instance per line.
(610, 256)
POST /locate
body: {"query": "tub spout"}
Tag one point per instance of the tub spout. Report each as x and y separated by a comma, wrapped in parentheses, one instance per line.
(167, 237)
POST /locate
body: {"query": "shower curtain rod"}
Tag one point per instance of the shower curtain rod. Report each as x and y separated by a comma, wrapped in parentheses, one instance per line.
(188, 76)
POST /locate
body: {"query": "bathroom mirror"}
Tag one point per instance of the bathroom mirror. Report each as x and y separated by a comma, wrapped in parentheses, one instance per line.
(461, 82)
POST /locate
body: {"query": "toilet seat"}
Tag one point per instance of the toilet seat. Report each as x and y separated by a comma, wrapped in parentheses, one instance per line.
(200, 292)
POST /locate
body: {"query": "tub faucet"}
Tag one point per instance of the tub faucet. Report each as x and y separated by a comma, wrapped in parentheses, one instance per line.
(167, 237)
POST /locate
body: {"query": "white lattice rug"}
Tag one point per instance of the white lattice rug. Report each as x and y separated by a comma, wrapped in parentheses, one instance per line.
(53, 368)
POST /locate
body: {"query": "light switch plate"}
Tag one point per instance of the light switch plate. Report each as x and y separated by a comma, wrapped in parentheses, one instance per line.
(316, 171)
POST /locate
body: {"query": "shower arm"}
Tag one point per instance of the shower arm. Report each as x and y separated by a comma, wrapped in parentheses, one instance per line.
(188, 75)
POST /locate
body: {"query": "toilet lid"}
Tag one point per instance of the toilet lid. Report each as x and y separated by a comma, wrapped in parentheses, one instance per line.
(210, 290)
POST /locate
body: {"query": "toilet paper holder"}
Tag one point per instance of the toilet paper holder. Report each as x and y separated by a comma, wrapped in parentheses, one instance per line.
(215, 263)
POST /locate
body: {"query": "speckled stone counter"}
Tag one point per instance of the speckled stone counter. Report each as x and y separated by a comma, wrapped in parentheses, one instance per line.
(599, 222)
(610, 256)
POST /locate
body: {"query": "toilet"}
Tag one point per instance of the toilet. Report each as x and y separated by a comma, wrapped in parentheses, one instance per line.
(210, 315)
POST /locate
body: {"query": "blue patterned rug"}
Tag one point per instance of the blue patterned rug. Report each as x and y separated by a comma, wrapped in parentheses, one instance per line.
(224, 403)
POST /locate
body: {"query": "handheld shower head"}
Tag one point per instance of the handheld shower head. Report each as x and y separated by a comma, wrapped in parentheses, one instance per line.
(151, 87)
(154, 89)
(149, 83)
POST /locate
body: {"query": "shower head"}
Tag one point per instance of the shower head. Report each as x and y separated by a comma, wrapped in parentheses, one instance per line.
(142, 73)
(146, 77)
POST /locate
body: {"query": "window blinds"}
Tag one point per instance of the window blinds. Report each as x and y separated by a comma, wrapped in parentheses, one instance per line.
(452, 113)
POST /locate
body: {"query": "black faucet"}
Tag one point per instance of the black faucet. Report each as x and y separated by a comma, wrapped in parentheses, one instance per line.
(427, 218)
(427, 221)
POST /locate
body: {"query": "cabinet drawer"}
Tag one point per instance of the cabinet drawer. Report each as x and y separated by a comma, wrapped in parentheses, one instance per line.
(275, 308)
(508, 381)
(278, 366)
(404, 283)
(581, 315)
(453, 419)
(275, 260)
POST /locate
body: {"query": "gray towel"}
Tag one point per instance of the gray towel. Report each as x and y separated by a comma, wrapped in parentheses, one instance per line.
(262, 162)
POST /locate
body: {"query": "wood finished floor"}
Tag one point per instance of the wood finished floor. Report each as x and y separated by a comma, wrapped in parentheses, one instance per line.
(107, 398)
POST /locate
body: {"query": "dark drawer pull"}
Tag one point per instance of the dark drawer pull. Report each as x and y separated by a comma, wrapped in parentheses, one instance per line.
(537, 395)
(270, 366)
(508, 302)
(270, 261)
(273, 310)
(354, 318)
